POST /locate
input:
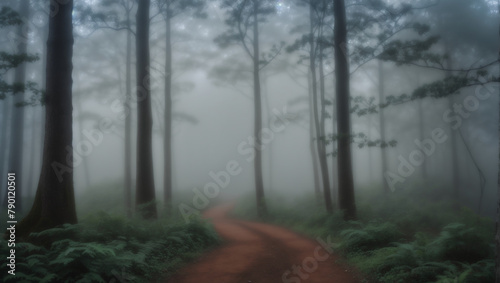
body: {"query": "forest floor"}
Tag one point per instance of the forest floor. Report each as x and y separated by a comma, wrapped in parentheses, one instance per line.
(260, 253)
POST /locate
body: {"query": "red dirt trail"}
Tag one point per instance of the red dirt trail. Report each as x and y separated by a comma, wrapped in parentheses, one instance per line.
(260, 253)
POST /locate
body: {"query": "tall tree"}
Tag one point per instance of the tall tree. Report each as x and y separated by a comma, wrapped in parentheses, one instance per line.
(127, 165)
(314, 44)
(170, 9)
(345, 176)
(145, 187)
(383, 151)
(243, 21)
(312, 144)
(318, 116)
(117, 15)
(54, 201)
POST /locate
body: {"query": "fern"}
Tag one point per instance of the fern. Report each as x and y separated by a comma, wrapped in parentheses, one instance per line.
(370, 237)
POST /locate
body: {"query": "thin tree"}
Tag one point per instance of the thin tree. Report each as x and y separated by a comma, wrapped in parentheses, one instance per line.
(243, 21)
(170, 9)
(345, 176)
(54, 201)
(383, 151)
(145, 187)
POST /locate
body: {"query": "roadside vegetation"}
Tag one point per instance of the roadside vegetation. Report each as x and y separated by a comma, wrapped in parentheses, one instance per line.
(400, 237)
(105, 246)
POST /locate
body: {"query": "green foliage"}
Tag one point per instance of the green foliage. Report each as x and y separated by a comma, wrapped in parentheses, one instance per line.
(460, 243)
(9, 17)
(105, 247)
(369, 237)
(398, 237)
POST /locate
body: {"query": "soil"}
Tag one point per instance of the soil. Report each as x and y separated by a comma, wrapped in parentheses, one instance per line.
(261, 253)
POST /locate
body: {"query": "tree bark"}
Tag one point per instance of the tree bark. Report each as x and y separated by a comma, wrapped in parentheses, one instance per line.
(145, 187)
(54, 201)
(259, 184)
(167, 143)
(345, 175)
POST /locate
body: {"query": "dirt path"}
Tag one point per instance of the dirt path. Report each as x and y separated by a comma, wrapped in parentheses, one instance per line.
(261, 253)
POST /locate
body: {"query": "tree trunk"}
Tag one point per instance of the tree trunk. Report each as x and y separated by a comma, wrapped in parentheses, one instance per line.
(54, 201)
(259, 184)
(455, 173)
(381, 98)
(33, 152)
(167, 143)
(320, 121)
(421, 129)
(17, 121)
(128, 123)
(454, 162)
(269, 147)
(345, 175)
(145, 194)
(312, 143)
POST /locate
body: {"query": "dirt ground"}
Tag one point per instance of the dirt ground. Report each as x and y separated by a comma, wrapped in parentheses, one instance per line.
(260, 253)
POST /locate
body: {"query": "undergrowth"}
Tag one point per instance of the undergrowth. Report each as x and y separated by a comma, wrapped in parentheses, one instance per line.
(400, 237)
(108, 248)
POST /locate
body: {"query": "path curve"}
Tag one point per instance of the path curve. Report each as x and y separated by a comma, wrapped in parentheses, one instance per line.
(261, 253)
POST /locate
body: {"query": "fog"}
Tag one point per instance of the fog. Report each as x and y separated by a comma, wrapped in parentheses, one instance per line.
(212, 92)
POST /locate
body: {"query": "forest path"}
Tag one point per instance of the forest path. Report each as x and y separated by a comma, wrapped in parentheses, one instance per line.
(261, 253)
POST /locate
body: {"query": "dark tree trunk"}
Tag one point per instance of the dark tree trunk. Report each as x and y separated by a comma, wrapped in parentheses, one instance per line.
(381, 98)
(145, 187)
(127, 169)
(17, 121)
(259, 184)
(54, 201)
(167, 143)
(346, 184)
